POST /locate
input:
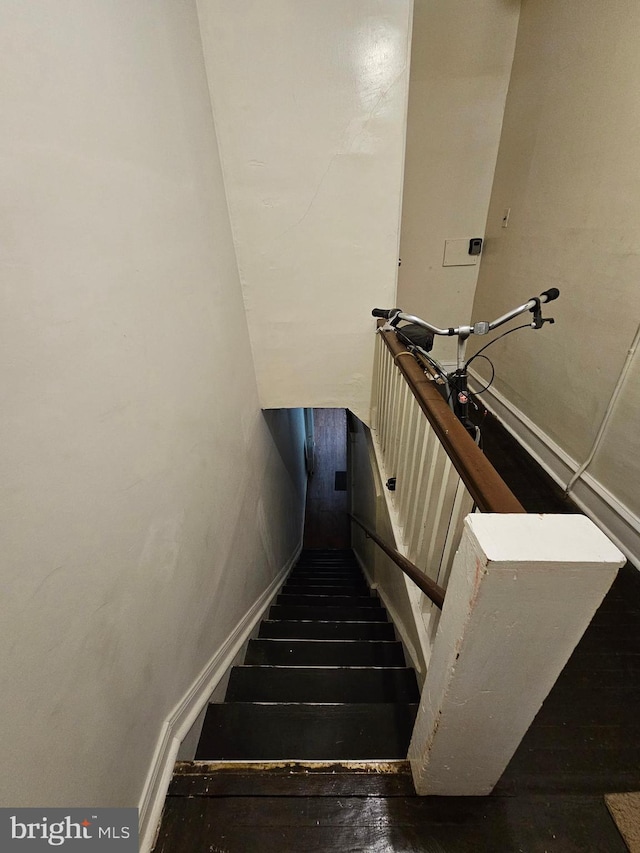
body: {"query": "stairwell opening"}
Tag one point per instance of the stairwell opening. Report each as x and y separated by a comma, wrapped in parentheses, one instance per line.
(326, 678)
(326, 522)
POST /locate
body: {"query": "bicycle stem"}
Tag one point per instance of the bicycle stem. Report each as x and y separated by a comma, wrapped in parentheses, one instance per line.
(461, 342)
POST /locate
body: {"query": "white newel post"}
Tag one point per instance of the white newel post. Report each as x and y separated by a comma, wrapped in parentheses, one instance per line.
(522, 591)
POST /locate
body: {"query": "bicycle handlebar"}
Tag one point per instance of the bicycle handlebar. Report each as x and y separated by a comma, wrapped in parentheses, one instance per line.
(550, 294)
(385, 313)
(394, 315)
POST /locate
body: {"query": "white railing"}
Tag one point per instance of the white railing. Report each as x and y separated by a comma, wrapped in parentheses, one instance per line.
(431, 498)
(520, 589)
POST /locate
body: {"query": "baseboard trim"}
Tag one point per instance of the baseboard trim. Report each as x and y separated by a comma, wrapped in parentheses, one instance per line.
(615, 519)
(188, 709)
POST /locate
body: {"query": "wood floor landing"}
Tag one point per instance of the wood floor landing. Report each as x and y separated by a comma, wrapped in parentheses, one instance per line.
(381, 823)
(358, 807)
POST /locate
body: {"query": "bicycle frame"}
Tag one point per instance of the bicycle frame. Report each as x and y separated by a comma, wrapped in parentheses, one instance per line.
(460, 403)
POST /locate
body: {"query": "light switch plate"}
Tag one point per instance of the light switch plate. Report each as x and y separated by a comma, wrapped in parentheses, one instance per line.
(456, 254)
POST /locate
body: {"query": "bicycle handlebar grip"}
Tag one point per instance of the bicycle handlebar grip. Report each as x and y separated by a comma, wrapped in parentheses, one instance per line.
(550, 294)
(385, 313)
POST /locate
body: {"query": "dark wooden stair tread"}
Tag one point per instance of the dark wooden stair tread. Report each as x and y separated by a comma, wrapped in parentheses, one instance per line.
(328, 600)
(328, 613)
(325, 652)
(322, 684)
(346, 577)
(327, 630)
(252, 731)
(309, 779)
(325, 556)
(324, 583)
(316, 588)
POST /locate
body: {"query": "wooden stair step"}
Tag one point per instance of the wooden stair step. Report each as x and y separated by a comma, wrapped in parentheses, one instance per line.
(328, 600)
(328, 613)
(315, 552)
(251, 731)
(326, 556)
(310, 630)
(322, 684)
(301, 779)
(306, 575)
(329, 570)
(323, 582)
(325, 652)
(313, 588)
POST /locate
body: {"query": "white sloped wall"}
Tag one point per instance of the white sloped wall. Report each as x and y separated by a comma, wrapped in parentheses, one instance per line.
(146, 500)
(310, 106)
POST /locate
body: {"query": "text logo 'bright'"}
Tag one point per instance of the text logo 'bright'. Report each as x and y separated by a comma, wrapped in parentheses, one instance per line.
(104, 830)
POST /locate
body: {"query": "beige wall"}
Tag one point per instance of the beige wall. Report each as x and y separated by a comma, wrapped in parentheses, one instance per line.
(569, 170)
(460, 63)
(146, 500)
(310, 104)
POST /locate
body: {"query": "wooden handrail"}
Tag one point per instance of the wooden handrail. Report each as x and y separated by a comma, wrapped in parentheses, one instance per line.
(429, 587)
(488, 490)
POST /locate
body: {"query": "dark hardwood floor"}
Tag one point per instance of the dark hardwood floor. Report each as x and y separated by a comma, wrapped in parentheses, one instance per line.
(584, 743)
(379, 824)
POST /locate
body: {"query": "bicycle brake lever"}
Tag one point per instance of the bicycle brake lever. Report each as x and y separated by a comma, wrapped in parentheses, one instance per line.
(536, 310)
(539, 321)
(392, 321)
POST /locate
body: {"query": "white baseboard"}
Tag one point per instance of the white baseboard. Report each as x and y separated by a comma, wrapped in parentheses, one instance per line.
(615, 519)
(188, 709)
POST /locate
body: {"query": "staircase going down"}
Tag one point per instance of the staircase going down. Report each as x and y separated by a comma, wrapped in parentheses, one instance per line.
(307, 752)
(325, 680)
